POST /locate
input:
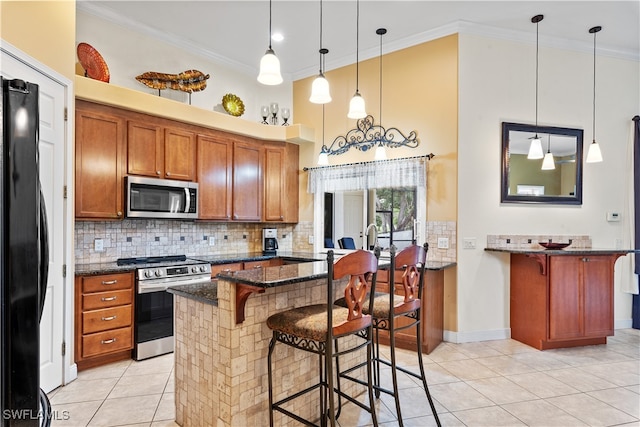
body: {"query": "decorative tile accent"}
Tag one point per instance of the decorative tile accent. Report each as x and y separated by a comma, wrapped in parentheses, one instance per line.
(436, 229)
(517, 241)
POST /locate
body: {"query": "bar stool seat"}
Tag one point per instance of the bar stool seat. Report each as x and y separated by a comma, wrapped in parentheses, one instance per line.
(317, 328)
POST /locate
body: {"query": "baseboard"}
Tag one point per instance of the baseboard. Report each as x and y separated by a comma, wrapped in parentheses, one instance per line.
(475, 336)
(623, 324)
(72, 374)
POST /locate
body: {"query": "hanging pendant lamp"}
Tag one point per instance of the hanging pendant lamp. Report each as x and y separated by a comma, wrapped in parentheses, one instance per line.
(356, 105)
(549, 162)
(270, 64)
(535, 149)
(594, 155)
(381, 153)
(320, 87)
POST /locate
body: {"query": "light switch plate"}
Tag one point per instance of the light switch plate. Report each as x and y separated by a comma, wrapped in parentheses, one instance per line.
(443, 243)
(469, 243)
(212, 241)
(311, 239)
(98, 245)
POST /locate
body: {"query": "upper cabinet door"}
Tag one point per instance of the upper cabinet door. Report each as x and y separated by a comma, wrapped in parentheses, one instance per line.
(274, 183)
(215, 163)
(145, 149)
(247, 181)
(179, 155)
(100, 157)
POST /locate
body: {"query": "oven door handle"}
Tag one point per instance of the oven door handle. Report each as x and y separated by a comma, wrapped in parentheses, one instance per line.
(147, 289)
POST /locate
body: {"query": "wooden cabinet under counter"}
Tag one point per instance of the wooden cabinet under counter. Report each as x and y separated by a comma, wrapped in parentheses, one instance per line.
(103, 318)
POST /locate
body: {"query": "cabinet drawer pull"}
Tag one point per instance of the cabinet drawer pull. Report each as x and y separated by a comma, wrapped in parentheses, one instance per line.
(111, 341)
(110, 282)
(168, 173)
(258, 266)
(585, 259)
(119, 214)
(108, 298)
(157, 172)
(109, 318)
(226, 270)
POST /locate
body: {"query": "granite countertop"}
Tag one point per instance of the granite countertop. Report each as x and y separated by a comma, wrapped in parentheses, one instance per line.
(203, 292)
(565, 251)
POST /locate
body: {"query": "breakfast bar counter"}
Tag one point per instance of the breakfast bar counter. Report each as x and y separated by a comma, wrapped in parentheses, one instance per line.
(221, 363)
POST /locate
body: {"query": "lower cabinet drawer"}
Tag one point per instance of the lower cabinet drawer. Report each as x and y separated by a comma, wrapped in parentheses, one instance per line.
(106, 299)
(108, 318)
(107, 342)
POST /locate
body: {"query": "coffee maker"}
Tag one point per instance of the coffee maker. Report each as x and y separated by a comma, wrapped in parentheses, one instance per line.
(269, 241)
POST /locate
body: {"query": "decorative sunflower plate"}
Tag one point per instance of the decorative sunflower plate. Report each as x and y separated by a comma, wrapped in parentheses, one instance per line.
(233, 105)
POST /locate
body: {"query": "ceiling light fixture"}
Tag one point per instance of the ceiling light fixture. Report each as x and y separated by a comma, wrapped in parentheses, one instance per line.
(535, 149)
(549, 162)
(356, 106)
(320, 87)
(594, 155)
(270, 64)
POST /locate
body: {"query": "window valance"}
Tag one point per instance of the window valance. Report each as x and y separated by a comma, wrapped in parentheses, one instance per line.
(407, 172)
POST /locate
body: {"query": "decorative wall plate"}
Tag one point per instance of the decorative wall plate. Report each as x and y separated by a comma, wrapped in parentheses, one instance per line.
(186, 81)
(93, 63)
(233, 105)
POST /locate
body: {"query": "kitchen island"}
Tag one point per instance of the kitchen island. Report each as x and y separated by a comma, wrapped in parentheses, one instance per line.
(221, 363)
(561, 298)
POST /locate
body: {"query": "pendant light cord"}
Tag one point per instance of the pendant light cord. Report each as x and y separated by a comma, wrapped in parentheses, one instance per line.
(381, 34)
(537, 47)
(270, 25)
(594, 86)
(357, 44)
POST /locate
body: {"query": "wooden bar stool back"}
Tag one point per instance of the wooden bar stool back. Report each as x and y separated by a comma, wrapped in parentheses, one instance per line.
(316, 329)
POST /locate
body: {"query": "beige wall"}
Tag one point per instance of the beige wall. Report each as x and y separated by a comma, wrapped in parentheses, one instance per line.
(420, 93)
(45, 30)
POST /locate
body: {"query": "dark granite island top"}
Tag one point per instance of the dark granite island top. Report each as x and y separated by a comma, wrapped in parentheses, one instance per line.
(565, 251)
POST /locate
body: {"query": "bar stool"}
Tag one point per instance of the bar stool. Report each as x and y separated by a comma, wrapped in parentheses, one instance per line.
(316, 329)
(387, 308)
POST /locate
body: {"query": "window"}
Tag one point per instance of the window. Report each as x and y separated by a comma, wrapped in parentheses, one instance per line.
(395, 215)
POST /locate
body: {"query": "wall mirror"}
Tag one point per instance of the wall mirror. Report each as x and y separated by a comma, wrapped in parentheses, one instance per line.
(524, 180)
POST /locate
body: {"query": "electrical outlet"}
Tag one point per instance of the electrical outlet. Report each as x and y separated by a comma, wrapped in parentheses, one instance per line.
(443, 243)
(311, 240)
(469, 243)
(212, 241)
(98, 245)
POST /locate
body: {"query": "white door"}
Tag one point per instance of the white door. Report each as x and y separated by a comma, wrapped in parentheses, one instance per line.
(51, 147)
(353, 209)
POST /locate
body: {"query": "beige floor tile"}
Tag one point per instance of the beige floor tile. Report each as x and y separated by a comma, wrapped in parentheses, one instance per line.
(413, 403)
(171, 384)
(541, 360)
(165, 423)
(539, 413)
(591, 410)
(166, 409)
(139, 385)
(580, 379)
(510, 347)
(468, 369)
(353, 416)
(445, 352)
(542, 385)
(74, 414)
(112, 370)
(447, 419)
(436, 374)
(619, 373)
(620, 398)
(634, 388)
(404, 380)
(84, 391)
(500, 390)
(581, 356)
(477, 349)
(490, 417)
(155, 365)
(136, 425)
(458, 397)
(505, 365)
(126, 410)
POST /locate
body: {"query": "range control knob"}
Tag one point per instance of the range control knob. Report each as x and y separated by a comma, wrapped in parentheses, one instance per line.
(194, 269)
(203, 268)
(148, 273)
(158, 273)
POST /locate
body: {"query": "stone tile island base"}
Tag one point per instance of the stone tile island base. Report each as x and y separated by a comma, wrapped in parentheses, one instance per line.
(221, 368)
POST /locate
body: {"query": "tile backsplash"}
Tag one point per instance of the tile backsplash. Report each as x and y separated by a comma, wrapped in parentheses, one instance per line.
(518, 241)
(137, 238)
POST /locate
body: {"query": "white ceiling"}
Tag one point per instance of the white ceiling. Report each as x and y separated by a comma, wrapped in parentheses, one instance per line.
(237, 32)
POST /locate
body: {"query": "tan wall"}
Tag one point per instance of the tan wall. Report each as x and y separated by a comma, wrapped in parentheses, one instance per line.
(45, 30)
(420, 92)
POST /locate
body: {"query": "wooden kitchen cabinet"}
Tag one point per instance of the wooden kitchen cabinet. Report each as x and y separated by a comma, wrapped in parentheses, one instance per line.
(104, 313)
(432, 311)
(281, 183)
(219, 268)
(215, 175)
(562, 300)
(160, 152)
(100, 159)
(247, 184)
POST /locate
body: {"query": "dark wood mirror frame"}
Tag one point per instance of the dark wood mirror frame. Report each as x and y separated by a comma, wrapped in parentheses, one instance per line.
(545, 132)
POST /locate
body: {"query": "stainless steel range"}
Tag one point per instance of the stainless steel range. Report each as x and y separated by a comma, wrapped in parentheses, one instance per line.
(153, 324)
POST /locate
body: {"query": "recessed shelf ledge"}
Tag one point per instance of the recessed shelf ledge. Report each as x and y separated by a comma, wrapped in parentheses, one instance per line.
(117, 96)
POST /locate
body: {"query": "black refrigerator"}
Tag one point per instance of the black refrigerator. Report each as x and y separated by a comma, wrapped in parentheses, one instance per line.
(23, 258)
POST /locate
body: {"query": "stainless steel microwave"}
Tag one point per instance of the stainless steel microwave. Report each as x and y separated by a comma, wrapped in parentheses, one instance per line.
(161, 198)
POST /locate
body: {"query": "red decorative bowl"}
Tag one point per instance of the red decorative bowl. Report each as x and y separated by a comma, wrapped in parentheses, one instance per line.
(553, 245)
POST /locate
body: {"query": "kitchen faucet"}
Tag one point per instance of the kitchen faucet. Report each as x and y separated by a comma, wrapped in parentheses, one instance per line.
(366, 233)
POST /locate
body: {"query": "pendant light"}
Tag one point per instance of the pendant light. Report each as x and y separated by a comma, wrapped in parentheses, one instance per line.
(356, 106)
(381, 153)
(594, 155)
(549, 162)
(535, 149)
(320, 86)
(270, 64)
